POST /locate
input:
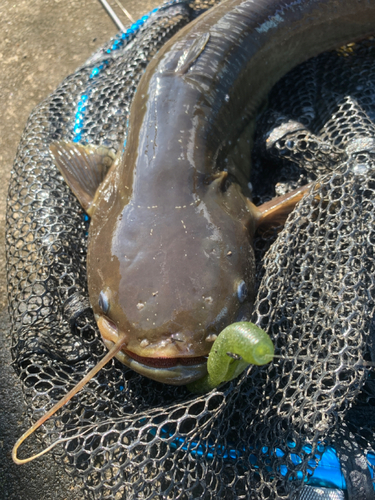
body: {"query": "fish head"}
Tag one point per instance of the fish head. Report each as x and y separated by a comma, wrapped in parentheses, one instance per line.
(170, 278)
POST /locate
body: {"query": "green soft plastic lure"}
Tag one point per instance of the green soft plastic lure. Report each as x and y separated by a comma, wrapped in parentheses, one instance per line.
(244, 341)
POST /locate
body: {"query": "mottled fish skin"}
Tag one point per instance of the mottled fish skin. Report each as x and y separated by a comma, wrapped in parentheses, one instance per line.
(170, 247)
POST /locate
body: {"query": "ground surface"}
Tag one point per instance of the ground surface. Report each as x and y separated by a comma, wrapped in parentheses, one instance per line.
(42, 42)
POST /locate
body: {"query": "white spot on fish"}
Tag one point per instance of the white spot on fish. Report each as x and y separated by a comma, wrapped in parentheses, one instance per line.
(144, 343)
(165, 342)
(140, 306)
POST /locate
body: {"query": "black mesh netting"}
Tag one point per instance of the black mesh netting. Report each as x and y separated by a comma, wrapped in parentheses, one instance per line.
(258, 437)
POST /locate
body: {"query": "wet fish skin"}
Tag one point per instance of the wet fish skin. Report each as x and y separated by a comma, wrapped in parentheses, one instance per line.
(170, 240)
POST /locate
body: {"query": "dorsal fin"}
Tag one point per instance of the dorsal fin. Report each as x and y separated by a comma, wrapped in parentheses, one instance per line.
(83, 168)
(191, 55)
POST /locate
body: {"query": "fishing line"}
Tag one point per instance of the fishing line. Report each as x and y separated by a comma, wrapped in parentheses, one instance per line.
(364, 364)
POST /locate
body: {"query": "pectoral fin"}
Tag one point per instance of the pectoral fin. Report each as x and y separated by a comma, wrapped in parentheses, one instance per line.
(275, 212)
(83, 168)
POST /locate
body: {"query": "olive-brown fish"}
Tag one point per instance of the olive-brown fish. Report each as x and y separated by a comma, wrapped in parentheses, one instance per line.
(170, 259)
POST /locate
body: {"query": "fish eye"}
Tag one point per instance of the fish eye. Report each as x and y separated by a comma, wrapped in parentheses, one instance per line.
(242, 291)
(103, 302)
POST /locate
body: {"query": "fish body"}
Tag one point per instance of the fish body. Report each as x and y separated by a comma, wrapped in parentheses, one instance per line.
(170, 259)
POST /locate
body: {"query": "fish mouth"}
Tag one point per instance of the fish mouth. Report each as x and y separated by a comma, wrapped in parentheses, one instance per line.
(173, 371)
(168, 370)
(163, 362)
